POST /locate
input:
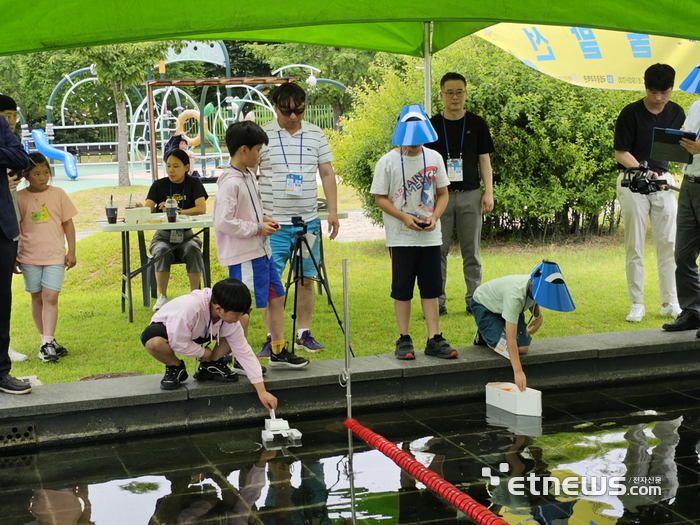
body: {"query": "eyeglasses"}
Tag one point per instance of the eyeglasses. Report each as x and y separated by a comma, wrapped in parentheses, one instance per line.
(452, 94)
(287, 112)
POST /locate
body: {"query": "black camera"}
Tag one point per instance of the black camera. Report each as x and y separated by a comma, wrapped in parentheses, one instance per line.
(298, 222)
(639, 180)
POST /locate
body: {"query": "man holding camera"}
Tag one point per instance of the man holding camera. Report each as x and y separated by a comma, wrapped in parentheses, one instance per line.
(288, 166)
(687, 226)
(633, 139)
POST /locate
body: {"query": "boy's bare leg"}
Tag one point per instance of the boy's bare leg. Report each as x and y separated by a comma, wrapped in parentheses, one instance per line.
(431, 314)
(162, 279)
(194, 278)
(220, 350)
(49, 313)
(402, 310)
(160, 349)
(37, 309)
(275, 318)
(305, 304)
(245, 321)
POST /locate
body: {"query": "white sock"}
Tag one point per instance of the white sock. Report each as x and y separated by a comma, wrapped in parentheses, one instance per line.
(301, 331)
(46, 339)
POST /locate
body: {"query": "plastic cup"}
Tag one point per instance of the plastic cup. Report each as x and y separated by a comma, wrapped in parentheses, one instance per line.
(111, 211)
(171, 210)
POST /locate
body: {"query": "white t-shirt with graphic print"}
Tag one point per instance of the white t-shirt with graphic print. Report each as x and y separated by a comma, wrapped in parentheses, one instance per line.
(412, 189)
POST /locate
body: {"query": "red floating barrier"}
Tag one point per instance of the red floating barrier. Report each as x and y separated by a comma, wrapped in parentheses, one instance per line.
(430, 479)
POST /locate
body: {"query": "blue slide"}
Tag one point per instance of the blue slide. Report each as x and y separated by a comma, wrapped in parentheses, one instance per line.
(43, 147)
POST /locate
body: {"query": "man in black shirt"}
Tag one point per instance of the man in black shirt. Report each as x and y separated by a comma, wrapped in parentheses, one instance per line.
(633, 138)
(465, 144)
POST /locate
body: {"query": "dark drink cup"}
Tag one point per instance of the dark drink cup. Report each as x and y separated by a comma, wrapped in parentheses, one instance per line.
(171, 213)
(111, 214)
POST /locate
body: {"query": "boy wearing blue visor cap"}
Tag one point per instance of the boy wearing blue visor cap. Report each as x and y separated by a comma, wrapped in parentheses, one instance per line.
(410, 186)
(499, 306)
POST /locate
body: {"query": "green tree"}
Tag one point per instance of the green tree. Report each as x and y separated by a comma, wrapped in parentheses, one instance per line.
(119, 66)
(347, 66)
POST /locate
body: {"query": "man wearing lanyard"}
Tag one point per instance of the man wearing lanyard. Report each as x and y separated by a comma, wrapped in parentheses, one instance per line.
(288, 166)
(465, 144)
(633, 137)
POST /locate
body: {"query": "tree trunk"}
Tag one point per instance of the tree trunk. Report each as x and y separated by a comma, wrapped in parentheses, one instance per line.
(122, 134)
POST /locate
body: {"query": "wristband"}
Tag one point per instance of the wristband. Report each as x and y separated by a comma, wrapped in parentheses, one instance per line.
(259, 229)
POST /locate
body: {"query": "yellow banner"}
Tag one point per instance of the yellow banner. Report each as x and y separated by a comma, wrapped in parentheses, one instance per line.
(593, 57)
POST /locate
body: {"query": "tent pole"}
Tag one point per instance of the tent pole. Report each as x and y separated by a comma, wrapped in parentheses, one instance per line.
(427, 66)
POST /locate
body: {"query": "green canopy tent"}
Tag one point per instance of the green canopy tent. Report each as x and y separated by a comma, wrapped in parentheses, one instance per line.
(410, 27)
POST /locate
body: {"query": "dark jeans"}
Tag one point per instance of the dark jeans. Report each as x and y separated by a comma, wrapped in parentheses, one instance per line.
(688, 246)
(8, 252)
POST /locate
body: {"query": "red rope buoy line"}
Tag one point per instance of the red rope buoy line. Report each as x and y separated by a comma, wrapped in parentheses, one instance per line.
(446, 490)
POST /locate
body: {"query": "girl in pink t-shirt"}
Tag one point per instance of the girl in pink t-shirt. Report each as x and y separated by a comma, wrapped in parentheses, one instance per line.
(46, 224)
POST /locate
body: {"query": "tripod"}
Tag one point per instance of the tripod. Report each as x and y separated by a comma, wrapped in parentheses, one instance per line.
(296, 274)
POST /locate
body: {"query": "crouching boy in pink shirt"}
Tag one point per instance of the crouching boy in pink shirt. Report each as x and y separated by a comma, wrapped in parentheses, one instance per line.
(189, 324)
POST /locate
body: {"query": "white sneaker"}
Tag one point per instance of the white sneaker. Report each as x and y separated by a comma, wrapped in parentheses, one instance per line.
(15, 356)
(672, 310)
(637, 313)
(160, 302)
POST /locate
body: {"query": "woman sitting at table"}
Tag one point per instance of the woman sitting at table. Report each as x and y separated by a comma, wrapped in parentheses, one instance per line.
(191, 197)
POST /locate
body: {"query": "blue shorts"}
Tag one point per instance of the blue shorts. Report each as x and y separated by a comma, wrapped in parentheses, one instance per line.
(261, 278)
(37, 277)
(283, 241)
(492, 326)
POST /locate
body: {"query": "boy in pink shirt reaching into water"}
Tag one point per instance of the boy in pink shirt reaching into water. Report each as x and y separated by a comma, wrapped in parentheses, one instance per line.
(189, 324)
(46, 225)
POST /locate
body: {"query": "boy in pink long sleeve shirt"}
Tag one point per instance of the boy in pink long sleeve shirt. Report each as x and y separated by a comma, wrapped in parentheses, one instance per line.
(188, 324)
(242, 236)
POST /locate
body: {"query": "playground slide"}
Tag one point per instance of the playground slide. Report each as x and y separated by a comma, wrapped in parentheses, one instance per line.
(43, 147)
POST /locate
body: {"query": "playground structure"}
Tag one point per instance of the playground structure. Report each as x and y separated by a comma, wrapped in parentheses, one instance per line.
(172, 110)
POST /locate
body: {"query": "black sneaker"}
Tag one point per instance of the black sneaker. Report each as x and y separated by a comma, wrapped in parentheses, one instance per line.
(12, 385)
(288, 359)
(438, 346)
(174, 375)
(404, 348)
(215, 371)
(47, 353)
(61, 350)
(687, 320)
(240, 370)
(479, 340)
(442, 310)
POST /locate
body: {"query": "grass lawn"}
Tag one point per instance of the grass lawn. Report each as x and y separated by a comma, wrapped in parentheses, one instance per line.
(100, 340)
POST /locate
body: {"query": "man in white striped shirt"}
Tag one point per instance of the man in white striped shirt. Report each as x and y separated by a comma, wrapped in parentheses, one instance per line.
(297, 151)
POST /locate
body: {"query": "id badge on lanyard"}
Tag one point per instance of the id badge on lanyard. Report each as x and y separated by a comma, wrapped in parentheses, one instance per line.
(294, 184)
(454, 170)
(177, 236)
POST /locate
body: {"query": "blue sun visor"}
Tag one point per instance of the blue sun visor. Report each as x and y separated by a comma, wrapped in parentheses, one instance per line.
(413, 128)
(549, 289)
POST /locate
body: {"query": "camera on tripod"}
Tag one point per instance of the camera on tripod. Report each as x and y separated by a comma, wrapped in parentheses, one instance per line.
(298, 222)
(639, 180)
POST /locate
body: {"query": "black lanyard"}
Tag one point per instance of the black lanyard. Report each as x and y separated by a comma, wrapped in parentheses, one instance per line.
(447, 142)
(250, 194)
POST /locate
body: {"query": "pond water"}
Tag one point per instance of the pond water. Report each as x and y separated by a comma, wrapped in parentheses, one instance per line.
(625, 454)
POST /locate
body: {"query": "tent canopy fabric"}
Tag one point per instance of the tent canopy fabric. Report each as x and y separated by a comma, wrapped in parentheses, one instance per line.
(392, 26)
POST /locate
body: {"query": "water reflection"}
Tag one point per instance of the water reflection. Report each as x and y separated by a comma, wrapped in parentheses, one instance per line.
(226, 478)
